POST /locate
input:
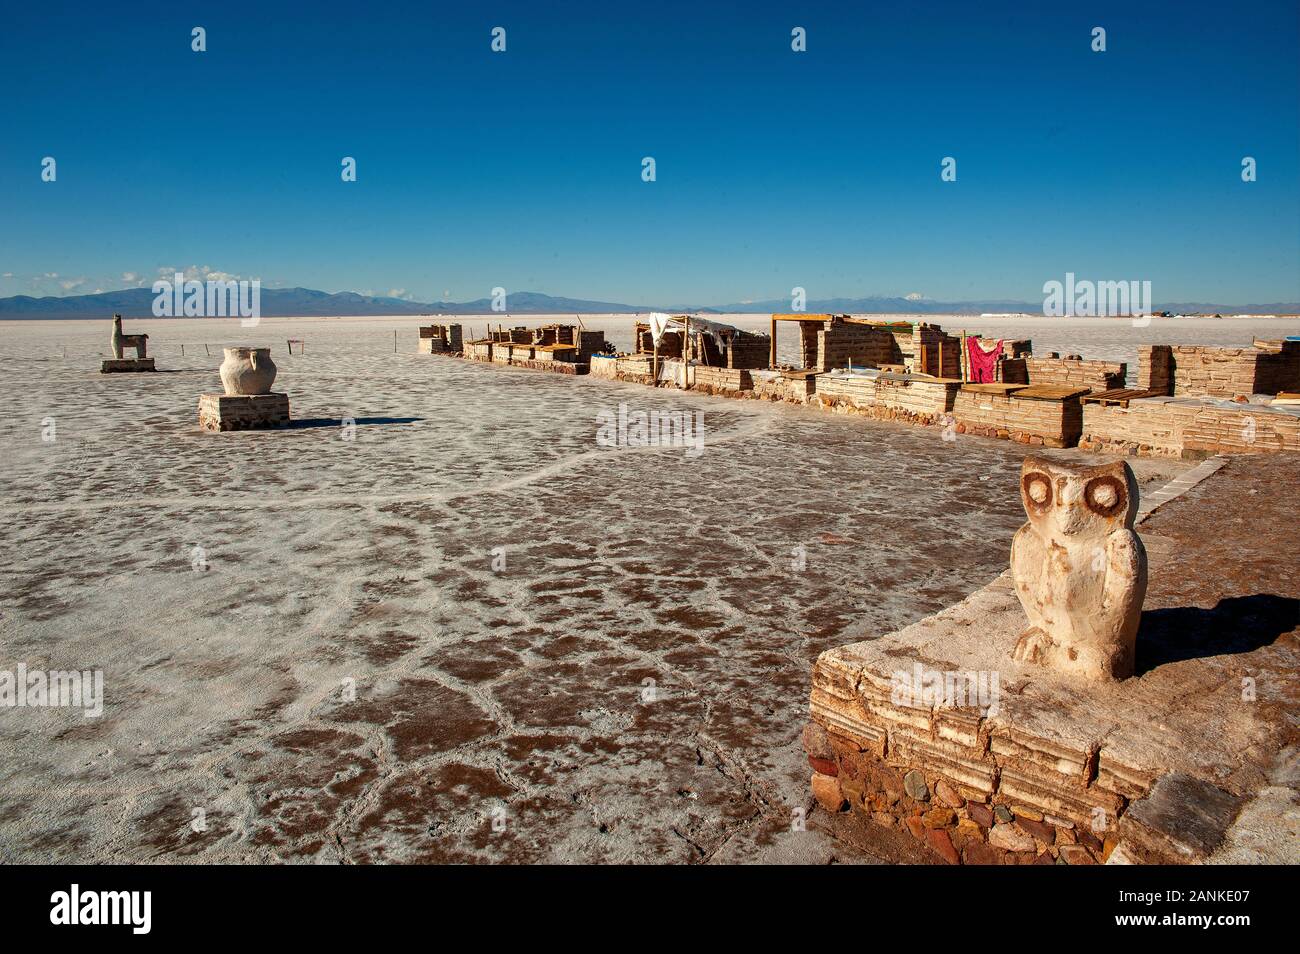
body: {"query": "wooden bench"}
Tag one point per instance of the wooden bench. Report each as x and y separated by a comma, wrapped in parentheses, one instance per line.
(1049, 392)
(1117, 397)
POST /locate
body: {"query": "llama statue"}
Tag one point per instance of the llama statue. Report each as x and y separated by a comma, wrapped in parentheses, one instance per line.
(121, 341)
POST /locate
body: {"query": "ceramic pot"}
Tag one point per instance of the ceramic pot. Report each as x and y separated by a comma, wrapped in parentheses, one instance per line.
(247, 371)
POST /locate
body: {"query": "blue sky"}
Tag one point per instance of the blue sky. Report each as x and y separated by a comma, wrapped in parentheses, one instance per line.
(774, 168)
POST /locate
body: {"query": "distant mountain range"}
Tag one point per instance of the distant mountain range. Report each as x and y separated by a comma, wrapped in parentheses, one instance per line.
(307, 303)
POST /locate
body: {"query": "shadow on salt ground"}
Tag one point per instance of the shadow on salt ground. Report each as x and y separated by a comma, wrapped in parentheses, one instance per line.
(339, 422)
(1239, 624)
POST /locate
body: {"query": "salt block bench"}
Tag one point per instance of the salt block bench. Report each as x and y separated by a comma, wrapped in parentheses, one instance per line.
(1043, 415)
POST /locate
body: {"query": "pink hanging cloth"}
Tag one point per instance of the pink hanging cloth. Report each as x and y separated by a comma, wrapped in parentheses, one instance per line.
(982, 364)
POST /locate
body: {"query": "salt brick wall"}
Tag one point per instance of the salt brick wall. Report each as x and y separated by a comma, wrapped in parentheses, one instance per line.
(809, 342)
(915, 401)
(1279, 367)
(589, 342)
(604, 367)
(838, 343)
(926, 338)
(1223, 372)
(749, 351)
(1013, 371)
(1067, 372)
(1155, 368)
(794, 390)
(1158, 429)
(721, 379)
(1027, 420)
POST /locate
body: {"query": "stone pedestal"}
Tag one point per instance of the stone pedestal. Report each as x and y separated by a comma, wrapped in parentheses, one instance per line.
(936, 730)
(112, 365)
(243, 412)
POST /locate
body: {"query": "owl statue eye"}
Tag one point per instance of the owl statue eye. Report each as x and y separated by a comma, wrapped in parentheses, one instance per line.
(1104, 496)
(1038, 490)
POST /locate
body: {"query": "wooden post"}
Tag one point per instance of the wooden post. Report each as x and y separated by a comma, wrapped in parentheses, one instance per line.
(961, 364)
(686, 353)
(772, 363)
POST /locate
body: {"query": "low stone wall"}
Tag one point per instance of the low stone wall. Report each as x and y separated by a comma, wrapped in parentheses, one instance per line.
(889, 397)
(1149, 428)
(604, 367)
(840, 343)
(780, 388)
(1194, 370)
(721, 380)
(974, 824)
(548, 364)
(1278, 367)
(1075, 372)
(1042, 423)
(1157, 428)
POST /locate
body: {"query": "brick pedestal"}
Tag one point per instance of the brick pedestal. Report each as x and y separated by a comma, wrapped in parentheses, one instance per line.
(243, 412)
(937, 731)
(114, 365)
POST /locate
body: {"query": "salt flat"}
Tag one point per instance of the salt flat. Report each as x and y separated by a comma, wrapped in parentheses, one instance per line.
(629, 687)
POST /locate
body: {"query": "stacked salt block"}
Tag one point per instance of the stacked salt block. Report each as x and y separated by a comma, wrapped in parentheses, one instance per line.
(1193, 370)
(924, 401)
(1042, 423)
(440, 339)
(1075, 372)
(604, 367)
(779, 388)
(1159, 428)
(248, 402)
(720, 380)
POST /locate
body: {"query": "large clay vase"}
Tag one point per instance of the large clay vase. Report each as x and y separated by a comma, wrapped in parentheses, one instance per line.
(248, 371)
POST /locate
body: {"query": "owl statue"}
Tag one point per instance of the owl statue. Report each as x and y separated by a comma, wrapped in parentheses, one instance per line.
(1079, 568)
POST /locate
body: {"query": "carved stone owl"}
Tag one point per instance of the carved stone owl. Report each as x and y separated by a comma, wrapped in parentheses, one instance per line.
(1079, 568)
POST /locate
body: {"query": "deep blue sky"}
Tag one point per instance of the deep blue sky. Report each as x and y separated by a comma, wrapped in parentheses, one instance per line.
(775, 168)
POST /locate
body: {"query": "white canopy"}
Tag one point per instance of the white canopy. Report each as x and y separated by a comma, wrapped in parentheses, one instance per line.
(660, 322)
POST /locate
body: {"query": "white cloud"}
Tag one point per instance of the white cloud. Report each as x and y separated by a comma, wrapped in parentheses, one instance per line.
(197, 273)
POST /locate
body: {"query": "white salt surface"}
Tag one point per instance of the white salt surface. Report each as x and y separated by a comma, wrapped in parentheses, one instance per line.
(629, 687)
